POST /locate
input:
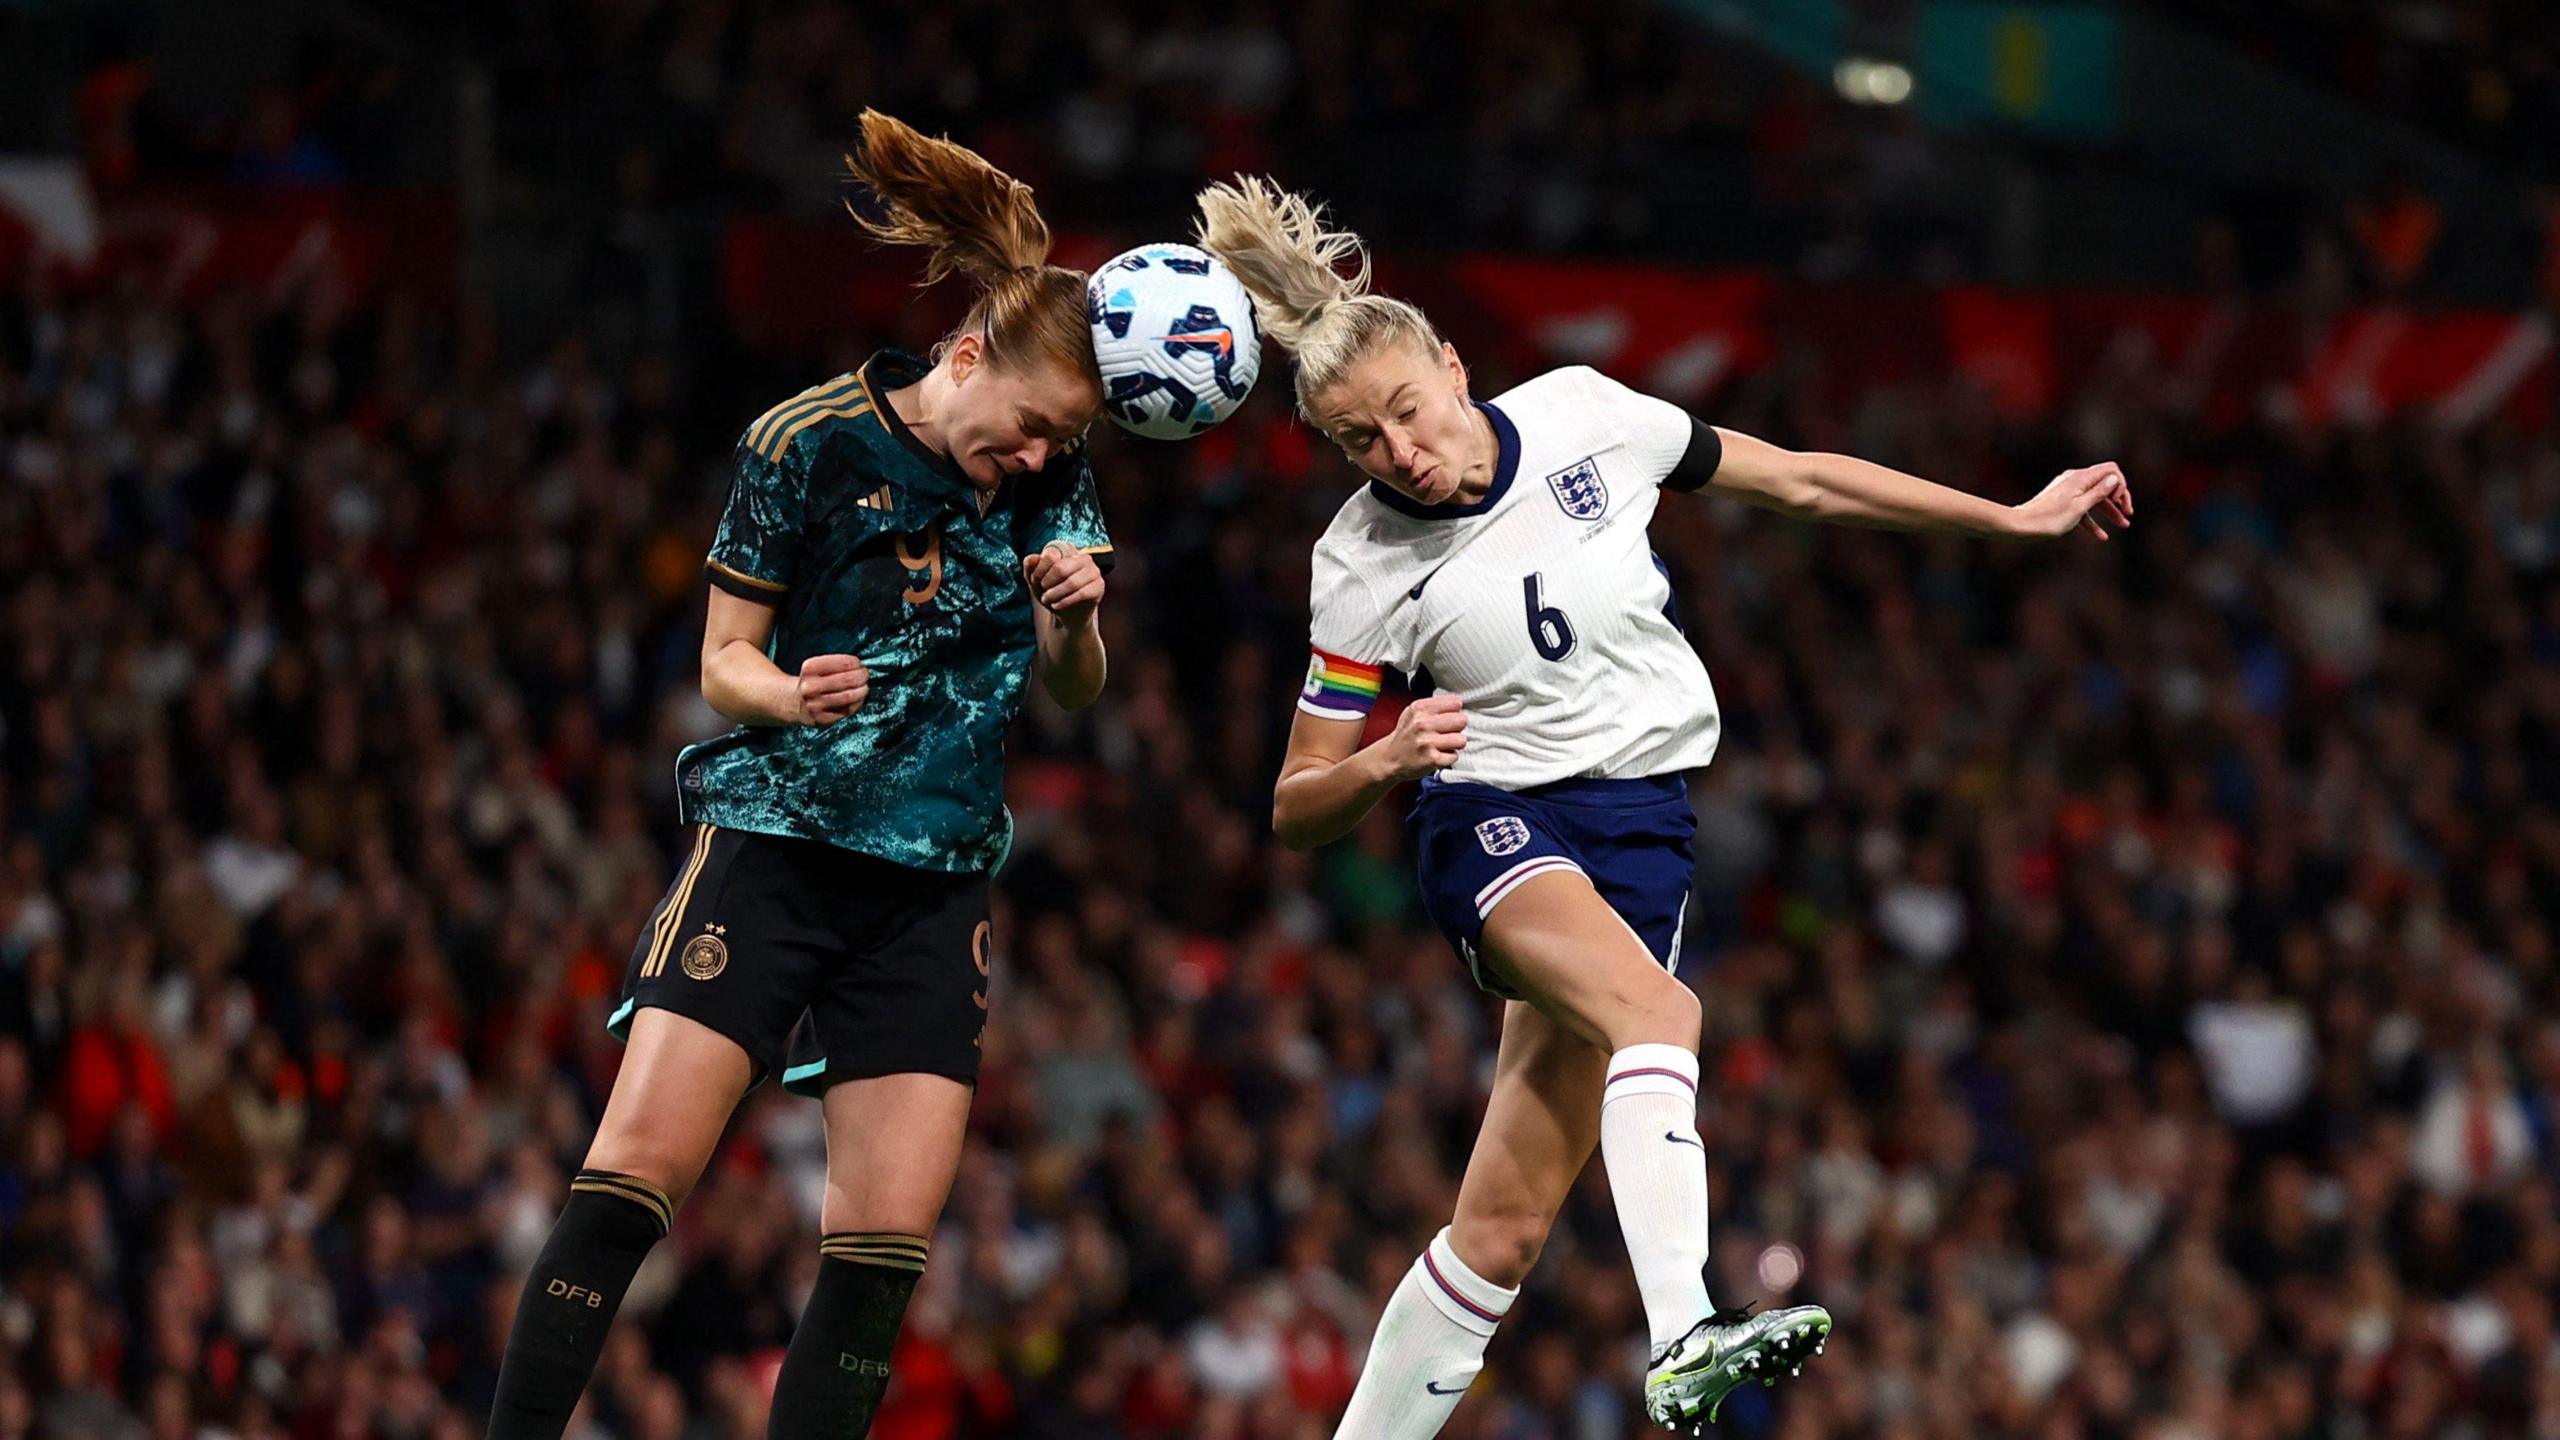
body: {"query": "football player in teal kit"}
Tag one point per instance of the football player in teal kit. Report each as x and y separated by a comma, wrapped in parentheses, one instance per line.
(903, 547)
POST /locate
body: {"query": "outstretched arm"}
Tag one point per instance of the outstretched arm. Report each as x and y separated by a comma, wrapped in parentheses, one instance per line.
(1844, 490)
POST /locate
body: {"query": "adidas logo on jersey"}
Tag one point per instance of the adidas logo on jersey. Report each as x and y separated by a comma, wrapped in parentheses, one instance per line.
(877, 500)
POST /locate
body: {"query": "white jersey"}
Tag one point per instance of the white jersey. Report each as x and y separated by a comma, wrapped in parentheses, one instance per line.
(1541, 605)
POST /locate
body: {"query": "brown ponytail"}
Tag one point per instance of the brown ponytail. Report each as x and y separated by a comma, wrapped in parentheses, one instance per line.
(980, 222)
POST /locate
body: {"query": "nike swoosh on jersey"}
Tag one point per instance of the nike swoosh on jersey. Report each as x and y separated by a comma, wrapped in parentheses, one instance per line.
(1416, 592)
(1676, 1138)
(1434, 1387)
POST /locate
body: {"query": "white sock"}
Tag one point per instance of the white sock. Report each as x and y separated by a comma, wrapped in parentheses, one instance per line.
(1658, 1172)
(1429, 1346)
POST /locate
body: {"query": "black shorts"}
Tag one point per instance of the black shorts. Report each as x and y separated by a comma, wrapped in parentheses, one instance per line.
(888, 964)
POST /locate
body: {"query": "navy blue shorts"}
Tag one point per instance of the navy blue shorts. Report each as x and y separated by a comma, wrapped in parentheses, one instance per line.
(1629, 837)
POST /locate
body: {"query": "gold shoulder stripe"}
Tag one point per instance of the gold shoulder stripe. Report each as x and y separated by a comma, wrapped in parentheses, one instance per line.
(744, 578)
(791, 432)
(819, 394)
(823, 393)
(871, 395)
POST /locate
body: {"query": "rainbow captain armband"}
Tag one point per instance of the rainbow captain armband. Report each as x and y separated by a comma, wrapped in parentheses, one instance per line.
(1339, 689)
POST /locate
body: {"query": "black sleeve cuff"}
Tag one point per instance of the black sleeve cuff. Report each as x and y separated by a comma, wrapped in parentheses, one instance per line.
(744, 586)
(1698, 463)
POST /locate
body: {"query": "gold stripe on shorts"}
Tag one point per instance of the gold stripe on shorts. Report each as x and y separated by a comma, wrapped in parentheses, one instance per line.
(669, 920)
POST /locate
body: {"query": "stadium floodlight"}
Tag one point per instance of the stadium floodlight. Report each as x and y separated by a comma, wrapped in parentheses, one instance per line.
(1863, 81)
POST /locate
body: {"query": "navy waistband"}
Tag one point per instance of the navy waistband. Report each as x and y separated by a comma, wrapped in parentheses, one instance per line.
(1621, 792)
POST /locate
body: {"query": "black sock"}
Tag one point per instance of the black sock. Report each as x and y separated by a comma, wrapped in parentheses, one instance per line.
(569, 1299)
(838, 1365)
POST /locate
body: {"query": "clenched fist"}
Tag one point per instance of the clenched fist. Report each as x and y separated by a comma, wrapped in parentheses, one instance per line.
(1427, 738)
(831, 687)
(1064, 579)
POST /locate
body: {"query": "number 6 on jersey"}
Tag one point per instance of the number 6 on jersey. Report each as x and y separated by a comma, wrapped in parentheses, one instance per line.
(1548, 629)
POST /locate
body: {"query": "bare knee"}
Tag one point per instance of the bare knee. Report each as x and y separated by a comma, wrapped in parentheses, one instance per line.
(643, 1156)
(1502, 1246)
(893, 1148)
(679, 1083)
(853, 1202)
(1655, 1010)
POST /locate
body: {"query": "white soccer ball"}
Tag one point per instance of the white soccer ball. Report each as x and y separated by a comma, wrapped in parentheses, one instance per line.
(1174, 333)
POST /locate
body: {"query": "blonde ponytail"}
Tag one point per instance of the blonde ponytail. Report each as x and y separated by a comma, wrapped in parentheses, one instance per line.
(1276, 243)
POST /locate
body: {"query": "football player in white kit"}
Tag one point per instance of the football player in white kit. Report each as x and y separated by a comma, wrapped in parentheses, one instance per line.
(1500, 548)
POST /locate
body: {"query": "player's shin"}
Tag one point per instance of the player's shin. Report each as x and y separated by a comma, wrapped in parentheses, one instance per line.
(570, 1298)
(1428, 1347)
(1658, 1173)
(838, 1365)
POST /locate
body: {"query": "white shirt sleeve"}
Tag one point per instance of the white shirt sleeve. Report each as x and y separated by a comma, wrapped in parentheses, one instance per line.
(1655, 432)
(1348, 637)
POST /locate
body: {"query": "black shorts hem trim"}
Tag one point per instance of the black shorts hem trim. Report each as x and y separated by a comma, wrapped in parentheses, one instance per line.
(618, 1025)
(812, 1084)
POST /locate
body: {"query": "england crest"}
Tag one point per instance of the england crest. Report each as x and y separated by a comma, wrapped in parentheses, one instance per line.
(1580, 490)
(1502, 834)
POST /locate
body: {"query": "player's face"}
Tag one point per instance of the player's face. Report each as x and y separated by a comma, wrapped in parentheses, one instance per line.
(1006, 420)
(1403, 417)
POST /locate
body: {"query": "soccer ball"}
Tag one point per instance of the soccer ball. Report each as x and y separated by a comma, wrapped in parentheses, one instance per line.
(1174, 333)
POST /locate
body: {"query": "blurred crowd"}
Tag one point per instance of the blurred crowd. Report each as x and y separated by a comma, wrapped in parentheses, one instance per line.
(627, 132)
(1620, 128)
(2482, 73)
(2128, 970)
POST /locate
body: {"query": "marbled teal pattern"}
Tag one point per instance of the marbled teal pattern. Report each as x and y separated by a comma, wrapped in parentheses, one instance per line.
(884, 555)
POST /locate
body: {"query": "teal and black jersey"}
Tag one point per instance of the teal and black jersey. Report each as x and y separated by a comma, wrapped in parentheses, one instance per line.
(869, 544)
